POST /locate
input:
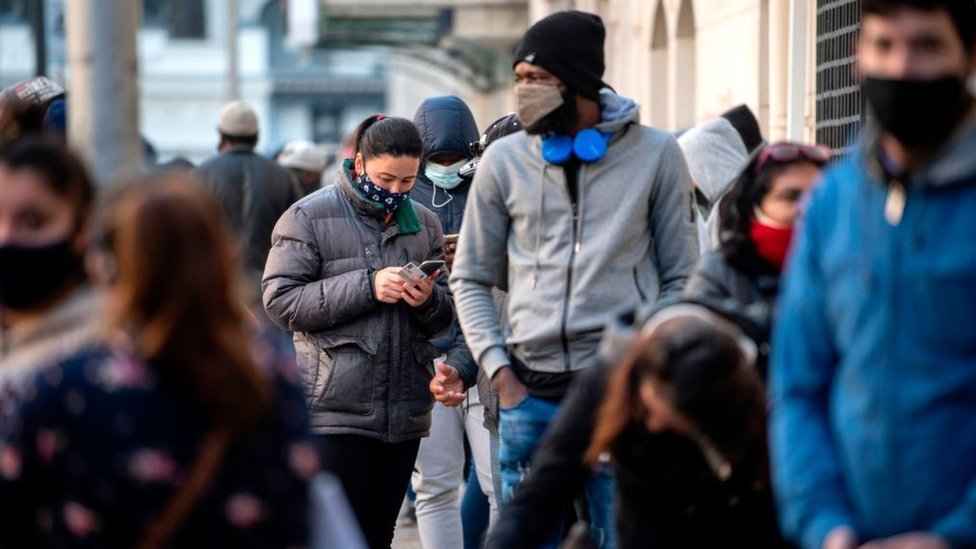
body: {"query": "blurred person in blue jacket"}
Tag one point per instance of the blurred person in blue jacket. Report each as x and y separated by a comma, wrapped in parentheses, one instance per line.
(874, 363)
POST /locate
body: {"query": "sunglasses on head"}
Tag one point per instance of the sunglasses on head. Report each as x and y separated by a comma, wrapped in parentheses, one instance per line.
(785, 152)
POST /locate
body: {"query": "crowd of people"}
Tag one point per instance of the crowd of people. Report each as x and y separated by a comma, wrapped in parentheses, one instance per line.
(610, 335)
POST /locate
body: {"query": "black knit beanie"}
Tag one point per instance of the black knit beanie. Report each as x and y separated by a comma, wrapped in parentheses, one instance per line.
(569, 44)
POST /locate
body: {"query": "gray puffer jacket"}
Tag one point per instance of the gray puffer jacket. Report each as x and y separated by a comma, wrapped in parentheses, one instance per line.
(367, 365)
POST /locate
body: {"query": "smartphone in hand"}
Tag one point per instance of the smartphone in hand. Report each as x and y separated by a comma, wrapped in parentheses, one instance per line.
(431, 266)
(427, 268)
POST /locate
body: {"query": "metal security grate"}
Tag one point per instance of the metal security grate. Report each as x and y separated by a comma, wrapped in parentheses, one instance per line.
(839, 103)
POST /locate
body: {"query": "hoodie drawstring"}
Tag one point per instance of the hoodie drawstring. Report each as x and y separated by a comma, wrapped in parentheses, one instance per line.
(580, 194)
(433, 197)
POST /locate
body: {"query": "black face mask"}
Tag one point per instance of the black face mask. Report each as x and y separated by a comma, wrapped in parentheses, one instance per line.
(30, 276)
(560, 121)
(918, 113)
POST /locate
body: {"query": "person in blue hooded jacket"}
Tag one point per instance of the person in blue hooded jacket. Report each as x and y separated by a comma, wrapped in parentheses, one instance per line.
(448, 129)
(873, 372)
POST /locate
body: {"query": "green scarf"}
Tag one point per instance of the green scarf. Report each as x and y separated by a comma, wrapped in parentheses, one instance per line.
(405, 215)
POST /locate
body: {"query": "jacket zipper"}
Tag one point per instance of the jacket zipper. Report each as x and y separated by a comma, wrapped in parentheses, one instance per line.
(569, 270)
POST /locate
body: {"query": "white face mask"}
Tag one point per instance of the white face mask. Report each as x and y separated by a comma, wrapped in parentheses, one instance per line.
(445, 177)
(533, 102)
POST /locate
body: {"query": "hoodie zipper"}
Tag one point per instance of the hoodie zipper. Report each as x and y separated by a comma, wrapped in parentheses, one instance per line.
(574, 205)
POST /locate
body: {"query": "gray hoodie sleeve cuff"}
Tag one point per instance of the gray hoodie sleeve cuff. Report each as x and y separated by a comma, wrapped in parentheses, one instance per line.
(494, 359)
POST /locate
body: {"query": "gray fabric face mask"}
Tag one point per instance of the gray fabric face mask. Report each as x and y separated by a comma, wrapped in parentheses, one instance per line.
(535, 101)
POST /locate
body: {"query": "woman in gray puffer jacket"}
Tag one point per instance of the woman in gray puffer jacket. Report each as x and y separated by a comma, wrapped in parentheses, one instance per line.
(361, 330)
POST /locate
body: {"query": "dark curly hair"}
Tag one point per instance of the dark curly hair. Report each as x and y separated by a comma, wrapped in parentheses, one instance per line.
(737, 211)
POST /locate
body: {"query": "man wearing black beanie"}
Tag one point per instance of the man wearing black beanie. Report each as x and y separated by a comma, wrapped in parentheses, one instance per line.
(592, 211)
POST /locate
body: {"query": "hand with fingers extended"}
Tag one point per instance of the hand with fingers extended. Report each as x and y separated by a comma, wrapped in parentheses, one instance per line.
(388, 285)
(418, 292)
(447, 386)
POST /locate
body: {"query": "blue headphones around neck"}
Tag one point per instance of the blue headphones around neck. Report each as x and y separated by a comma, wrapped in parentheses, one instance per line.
(588, 146)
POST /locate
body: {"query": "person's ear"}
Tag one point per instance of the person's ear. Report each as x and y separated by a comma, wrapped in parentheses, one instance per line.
(855, 67)
(82, 237)
(359, 164)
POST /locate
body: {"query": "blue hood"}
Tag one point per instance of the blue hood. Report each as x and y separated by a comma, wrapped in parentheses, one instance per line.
(446, 125)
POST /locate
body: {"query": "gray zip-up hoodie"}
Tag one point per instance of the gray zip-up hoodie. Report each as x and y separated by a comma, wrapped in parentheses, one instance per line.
(634, 242)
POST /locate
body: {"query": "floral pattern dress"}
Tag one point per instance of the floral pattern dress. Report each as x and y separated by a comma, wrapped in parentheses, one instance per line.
(99, 443)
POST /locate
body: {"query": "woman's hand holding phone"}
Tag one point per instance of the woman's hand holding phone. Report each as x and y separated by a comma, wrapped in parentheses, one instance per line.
(419, 292)
(388, 285)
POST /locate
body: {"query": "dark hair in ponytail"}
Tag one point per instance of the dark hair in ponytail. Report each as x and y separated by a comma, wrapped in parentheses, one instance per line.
(379, 135)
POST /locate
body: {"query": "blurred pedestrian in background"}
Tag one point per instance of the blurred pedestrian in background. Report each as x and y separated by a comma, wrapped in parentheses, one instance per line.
(716, 151)
(33, 107)
(46, 301)
(306, 162)
(448, 129)
(756, 226)
(873, 373)
(361, 329)
(181, 428)
(593, 212)
(252, 191)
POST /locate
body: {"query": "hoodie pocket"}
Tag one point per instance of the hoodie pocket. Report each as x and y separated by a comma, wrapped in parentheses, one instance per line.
(345, 380)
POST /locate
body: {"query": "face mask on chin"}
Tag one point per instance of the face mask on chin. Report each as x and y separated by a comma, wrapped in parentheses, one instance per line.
(918, 113)
(30, 276)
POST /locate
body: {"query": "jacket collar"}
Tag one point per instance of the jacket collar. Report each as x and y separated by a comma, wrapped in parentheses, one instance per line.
(953, 164)
(405, 216)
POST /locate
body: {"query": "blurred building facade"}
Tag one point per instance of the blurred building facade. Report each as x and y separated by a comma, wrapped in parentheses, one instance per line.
(317, 94)
(437, 47)
(685, 61)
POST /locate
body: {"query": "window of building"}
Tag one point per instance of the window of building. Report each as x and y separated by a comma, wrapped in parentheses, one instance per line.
(13, 11)
(183, 19)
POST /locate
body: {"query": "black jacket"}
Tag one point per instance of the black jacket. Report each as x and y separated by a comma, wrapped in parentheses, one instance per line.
(253, 192)
(746, 282)
(667, 496)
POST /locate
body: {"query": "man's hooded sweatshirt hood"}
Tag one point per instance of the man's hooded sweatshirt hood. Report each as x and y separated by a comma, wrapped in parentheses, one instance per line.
(716, 155)
(446, 126)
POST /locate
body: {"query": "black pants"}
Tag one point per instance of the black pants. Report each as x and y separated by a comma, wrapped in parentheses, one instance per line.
(375, 476)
